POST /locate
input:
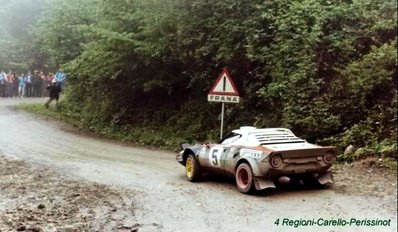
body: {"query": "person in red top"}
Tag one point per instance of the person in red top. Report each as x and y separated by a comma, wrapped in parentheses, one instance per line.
(44, 83)
(10, 85)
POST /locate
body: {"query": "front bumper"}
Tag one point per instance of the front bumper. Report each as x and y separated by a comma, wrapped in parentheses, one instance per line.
(180, 158)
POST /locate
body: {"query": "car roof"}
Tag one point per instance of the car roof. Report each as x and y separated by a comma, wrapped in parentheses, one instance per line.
(268, 135)
(250, 129)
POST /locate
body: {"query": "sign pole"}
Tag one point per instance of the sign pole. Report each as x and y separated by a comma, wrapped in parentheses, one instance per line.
(222, 120)
(223, 91)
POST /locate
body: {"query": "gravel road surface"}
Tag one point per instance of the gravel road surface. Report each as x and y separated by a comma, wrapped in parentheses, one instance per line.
(55, 178)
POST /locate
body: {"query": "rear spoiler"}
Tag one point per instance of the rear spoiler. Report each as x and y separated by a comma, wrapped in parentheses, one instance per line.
(306, 152)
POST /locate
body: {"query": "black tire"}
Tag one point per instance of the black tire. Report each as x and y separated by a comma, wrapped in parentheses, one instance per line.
(192, 169)
(244, 178)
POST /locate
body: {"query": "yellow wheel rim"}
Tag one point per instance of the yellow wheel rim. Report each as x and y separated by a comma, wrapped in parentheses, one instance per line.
(189, 167)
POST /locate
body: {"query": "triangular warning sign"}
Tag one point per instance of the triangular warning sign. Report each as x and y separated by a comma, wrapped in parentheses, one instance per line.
(224, 85)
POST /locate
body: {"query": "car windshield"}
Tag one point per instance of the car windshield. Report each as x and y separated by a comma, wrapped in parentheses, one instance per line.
(230, 138)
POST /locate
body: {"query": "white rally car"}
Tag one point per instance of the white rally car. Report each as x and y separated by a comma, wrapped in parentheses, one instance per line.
(259, 158)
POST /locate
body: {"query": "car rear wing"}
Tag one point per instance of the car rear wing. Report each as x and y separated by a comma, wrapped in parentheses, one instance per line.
(305, 152)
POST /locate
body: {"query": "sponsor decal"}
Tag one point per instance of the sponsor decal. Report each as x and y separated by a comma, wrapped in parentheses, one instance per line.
(252, 153)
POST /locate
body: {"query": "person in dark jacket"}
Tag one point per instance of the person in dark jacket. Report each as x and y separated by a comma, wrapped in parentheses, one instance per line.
(53, 93)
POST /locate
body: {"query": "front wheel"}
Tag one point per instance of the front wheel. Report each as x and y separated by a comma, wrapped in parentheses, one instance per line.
(244, 178)
(192, 168)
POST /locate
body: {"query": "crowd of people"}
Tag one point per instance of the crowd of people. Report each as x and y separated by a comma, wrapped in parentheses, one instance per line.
(28, 85)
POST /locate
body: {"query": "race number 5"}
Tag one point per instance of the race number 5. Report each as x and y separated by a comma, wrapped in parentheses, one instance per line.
(214, 156)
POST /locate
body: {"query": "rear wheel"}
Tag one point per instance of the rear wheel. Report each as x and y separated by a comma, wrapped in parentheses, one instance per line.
(244, 178)
(192, 168)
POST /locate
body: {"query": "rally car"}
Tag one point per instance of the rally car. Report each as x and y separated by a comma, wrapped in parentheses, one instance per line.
(260, 159)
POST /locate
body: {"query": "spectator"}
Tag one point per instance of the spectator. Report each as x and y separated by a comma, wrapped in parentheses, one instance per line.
(21, 85)
(60, 78)
(53, 93)
(37, 82)
(9, 84)
(6, 85)
(29, 86)
(3, 78)
(15, 85)
(44, 84)
(49, 78)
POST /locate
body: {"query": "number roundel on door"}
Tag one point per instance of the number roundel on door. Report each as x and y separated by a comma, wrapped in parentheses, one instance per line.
(215, 155)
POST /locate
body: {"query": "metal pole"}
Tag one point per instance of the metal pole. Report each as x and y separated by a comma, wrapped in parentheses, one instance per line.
(222, 120)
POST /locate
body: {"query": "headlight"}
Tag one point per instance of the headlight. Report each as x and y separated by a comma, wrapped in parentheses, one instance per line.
(276, 161)
(328, 157)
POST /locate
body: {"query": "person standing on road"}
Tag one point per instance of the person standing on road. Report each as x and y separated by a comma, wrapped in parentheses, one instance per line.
(29, 85)
(3, 79)
(21, 85)
(44, 84)
(36, 81)
(49, 79)
(10, 84)
(6, 85)
(14, 84)
(53, 93)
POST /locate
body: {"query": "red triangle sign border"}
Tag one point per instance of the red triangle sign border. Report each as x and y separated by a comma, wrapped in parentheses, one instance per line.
(226, 73)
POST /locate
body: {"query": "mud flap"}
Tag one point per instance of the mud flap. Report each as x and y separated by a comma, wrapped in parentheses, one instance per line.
(327, 178)
(261, 184)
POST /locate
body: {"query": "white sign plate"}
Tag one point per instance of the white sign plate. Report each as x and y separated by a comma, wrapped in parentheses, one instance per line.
(222, 98)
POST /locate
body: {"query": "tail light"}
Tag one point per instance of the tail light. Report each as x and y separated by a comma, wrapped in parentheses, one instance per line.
(276, 161)
(328, 157)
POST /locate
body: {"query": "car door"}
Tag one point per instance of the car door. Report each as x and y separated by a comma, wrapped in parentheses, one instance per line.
(213, 156)
(210, 156)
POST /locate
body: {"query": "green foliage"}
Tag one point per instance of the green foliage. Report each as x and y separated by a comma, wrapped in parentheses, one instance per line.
(166, 137)
(325, 69)
(359, 135)
(362, 152)
(59, 28)
(387, 148)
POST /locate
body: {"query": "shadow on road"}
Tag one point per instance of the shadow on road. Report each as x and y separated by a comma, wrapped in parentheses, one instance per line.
(221, 181)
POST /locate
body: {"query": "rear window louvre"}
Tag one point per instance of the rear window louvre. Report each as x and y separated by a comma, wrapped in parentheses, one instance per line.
(275, 136)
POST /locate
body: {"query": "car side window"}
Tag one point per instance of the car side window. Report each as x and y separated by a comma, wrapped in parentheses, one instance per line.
(230, 138)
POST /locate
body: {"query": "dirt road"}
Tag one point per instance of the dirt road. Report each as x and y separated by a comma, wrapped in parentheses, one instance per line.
(134, 189)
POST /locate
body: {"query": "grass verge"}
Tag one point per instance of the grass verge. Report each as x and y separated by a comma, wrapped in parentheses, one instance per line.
(164, 137)
(148, 136)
